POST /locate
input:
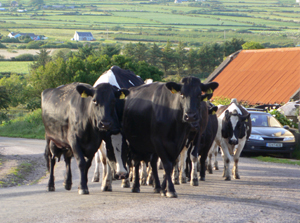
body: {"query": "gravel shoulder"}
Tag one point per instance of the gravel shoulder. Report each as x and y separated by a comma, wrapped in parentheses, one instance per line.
(266, 192)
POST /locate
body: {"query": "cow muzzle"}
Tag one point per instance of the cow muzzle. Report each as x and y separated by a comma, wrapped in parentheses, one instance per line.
(105, 125)
(233, 141)
(190, 117)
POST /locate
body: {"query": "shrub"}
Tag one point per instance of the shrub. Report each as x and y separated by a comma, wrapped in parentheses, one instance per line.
(25, 57)
(2, 46)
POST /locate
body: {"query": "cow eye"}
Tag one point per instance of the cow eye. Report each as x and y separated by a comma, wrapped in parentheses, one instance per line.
(95, 102)
(182, 95)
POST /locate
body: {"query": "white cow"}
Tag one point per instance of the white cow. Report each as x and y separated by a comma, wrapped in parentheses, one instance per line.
(234, 128)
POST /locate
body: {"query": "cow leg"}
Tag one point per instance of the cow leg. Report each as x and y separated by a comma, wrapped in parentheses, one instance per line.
(210, 154)
(82, 166)
(226, 160)
(156, 182)
(107, 179)
(175, 173)
(194, 174)
(96, 176)
(68, 175)
(51, 160)
(182, 165)
(171, 193)
(216, 166)
(126, 182)
(143, 173)
(136, 181)
(149, 176)
(235, 170)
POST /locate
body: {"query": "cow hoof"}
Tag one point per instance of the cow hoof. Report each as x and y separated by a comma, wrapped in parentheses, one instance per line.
(150, 182)
(183, 180)
(143, 182)
(51, 188)
(157, 190)
(194, 182)
(163, 193)
(171, 194)
(68, 186)
(106, 188)
(209, 169)
(83, 191)
(125, 184)
(227, 178)
(135, 190)
(237, 177)
(95, 179)
(202, 178)
(176, 182)
(216, 168)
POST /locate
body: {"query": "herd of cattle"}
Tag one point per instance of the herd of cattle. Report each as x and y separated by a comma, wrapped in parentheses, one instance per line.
(127, 122)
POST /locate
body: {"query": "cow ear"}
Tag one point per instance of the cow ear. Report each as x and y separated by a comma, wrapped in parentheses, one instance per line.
(85, 91)
(213, 110)
(121, 93)
(245, 117)
(209, 87)
(227, 115)
(173, 87)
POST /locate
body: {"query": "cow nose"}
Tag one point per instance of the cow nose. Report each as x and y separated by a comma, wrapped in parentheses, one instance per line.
(105, 125)
(233, 142)
(190, 117)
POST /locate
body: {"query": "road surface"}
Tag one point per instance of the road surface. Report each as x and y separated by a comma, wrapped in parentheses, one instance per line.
(266, 192)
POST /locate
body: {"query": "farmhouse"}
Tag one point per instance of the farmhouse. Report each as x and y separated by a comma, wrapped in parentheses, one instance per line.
(259, 77)
(16, 35)
(83, 36)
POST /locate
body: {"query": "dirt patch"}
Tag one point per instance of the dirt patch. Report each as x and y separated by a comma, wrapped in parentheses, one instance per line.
(18, 170)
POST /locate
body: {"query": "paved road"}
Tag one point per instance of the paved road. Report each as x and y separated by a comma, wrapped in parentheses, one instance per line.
(266, 193)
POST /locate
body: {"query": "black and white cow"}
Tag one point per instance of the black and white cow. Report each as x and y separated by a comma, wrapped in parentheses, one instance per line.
(77, 118)
(119, 78)
(157, 120)
(234, 128)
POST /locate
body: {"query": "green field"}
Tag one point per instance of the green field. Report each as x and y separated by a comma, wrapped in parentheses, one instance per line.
(14, 67)
(275, 22)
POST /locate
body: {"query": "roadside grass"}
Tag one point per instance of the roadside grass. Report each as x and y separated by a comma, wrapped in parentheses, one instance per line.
(28, 126)
(277, 160)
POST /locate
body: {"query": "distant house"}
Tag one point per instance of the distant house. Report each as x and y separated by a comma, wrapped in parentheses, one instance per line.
(83, 36)
(16, 35)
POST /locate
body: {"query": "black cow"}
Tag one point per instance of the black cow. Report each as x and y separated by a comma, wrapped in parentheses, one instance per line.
(114, 151)
(76, 119)
(198, 143)
(234, 128)
(157, 121)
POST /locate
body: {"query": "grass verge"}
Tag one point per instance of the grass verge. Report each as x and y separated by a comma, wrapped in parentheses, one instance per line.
(29, 126)
(277, 160)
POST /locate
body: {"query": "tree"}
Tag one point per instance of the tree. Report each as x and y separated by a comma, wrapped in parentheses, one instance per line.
(110, 50)
(180, 57)
(167, 58)
(4, 98)
(252, 45)
(85, 51)
(192, 61)
(129, 49)
(140, 52)
(232, 46)
(155, 55)
(42, 59)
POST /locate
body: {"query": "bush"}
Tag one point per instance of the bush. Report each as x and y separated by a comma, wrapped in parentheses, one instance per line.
(9, 40)
(2, 46)
(34, 45)
(25, 57)
(283, 119)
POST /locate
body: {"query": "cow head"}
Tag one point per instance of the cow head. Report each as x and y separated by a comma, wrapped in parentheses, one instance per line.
(102, 101)
(190, 93)
(234, 126)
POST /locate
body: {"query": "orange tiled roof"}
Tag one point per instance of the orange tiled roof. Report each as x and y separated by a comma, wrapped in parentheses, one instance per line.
(265, 76)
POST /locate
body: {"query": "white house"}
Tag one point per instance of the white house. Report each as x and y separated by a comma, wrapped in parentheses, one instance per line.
(16, 35)
(83, 36)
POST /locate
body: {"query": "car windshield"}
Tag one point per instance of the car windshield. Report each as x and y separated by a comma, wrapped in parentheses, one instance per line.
(264, 120)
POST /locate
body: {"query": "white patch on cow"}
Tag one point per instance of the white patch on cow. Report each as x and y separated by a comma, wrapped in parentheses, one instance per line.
(107, 77)
(131, 82)
(117, 145)
(148, 81)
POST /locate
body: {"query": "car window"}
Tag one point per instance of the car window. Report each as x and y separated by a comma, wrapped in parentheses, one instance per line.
(264, 120)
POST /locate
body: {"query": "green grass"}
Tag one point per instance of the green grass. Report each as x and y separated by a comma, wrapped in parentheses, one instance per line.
(28, 126)
(14, 67)
(277, 160)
